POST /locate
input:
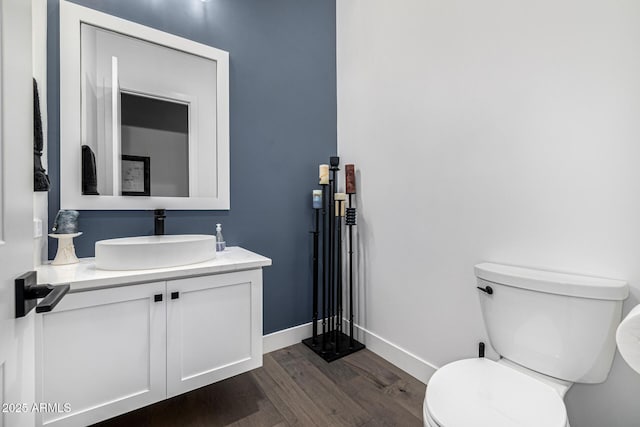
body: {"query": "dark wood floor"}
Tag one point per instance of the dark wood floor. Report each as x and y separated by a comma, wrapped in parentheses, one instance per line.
(295, 388)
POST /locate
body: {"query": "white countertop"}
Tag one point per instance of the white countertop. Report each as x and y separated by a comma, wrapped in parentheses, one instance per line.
(85, 276)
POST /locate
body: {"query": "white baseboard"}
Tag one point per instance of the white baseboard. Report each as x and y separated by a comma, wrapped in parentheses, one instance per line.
(403, 359)
(286, 337)
(396, 355)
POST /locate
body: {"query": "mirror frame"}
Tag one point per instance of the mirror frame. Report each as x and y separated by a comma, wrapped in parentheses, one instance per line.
(71, 197)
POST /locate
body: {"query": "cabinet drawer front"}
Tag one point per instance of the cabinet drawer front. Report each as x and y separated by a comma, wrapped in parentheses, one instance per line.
(103, 352)
(214, 329)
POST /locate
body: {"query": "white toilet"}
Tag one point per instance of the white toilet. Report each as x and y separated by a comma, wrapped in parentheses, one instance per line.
(550, 329)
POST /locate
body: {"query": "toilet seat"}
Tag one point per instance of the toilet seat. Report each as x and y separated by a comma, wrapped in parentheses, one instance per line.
(482, 393)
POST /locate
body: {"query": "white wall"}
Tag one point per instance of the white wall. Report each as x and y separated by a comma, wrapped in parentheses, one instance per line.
(502, 131)
(169, 158)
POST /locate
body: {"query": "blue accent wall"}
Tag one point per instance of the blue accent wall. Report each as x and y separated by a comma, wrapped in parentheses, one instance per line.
(283, 124)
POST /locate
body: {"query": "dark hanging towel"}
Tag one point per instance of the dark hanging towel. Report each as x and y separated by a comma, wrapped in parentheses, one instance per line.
(89, 178)
(40, 179)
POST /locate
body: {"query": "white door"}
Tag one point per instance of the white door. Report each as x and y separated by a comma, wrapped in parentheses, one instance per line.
(16, 209)
(214, 328)
(102, 352)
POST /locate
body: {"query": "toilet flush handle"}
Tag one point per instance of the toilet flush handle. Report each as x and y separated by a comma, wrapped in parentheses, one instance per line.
(488, 290)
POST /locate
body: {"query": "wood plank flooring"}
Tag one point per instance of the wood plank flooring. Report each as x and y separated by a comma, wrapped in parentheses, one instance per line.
(295, 388)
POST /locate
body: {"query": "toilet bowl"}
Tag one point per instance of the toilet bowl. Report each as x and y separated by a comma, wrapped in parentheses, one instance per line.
(550, 330)
(481, 392)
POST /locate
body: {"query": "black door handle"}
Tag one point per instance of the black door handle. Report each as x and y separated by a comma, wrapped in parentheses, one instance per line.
(175, 295)
(53, 296)
(27, 293)
(157, 298)
(488, 290)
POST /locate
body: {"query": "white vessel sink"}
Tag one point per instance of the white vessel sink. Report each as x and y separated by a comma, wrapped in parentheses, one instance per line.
(148, 252)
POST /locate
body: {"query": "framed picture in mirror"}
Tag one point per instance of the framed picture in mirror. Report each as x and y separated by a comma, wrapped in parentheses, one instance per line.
(136, 175)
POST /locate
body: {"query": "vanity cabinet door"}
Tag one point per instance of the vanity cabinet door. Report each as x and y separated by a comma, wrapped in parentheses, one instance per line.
(102, 352)
(214, 328)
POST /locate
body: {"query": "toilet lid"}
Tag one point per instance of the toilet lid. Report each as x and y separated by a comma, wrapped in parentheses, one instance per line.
(480, 392)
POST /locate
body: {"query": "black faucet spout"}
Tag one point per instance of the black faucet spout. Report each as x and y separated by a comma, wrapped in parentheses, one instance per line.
(159, 216)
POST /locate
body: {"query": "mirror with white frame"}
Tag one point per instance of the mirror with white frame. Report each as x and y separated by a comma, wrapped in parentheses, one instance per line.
(150, 128)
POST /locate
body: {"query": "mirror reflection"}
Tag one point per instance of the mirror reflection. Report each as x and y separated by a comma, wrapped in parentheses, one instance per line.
(143, 105)
(157, 130)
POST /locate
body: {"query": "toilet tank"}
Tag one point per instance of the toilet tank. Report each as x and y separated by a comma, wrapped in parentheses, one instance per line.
(558, 324)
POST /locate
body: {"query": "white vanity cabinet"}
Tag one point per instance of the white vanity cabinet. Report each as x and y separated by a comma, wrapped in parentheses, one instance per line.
(105, 351)
(214, 329)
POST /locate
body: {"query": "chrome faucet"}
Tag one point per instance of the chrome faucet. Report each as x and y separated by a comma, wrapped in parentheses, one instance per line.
(159, 215)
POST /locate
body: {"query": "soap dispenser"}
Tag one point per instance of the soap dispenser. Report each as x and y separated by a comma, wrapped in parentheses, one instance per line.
(220, 243)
